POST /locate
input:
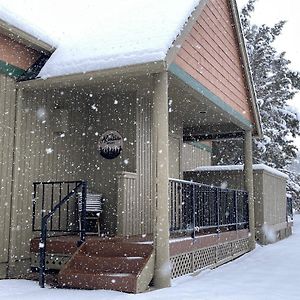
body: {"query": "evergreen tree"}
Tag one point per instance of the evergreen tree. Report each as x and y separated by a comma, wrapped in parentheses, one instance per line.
(275, 85)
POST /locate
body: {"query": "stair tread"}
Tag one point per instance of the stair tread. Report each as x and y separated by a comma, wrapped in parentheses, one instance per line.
(100, 274)
(99, 271)
(106, 265)
(108, 281)
(98, 256)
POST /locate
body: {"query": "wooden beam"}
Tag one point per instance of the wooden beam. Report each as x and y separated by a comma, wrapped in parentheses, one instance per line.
(213, 136)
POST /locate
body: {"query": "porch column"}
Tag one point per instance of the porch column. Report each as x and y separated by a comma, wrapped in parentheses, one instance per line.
(160, 177)
(248, 180)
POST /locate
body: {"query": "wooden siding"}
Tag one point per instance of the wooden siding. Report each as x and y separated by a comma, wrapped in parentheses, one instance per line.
(43, 153)
(175, 156)
(16, 54)
(7, 124)
(211, 55)
(144, 161)
(112, 112)
(34, 161)
(193, 157)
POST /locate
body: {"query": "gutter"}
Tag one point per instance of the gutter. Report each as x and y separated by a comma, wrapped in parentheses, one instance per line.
(69, 80)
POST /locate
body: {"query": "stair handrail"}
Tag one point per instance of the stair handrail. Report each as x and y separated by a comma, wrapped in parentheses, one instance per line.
(44, 221)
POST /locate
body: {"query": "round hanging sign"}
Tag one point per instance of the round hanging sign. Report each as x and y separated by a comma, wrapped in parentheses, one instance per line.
(110, 144)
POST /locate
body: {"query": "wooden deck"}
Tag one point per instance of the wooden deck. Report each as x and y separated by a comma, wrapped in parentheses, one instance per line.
(127, 264)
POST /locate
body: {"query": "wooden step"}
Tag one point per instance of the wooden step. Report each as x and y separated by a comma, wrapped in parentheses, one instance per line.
(92, 263)
(117, 265)
(115, 248)
(109, 281)
(61, 245)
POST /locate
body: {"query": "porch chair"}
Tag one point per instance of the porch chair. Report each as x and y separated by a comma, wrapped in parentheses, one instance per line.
(93, 209)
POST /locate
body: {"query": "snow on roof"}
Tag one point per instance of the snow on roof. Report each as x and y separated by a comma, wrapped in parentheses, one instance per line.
(21, 23)
(240, 167)
(95, 35)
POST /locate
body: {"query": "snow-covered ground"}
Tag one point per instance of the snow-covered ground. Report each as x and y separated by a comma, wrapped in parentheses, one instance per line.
(268, 273)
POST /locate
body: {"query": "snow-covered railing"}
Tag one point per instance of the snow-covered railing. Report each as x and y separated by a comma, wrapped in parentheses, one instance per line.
(196, 207)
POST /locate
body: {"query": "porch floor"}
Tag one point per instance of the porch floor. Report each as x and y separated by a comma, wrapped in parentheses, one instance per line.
(67, 244)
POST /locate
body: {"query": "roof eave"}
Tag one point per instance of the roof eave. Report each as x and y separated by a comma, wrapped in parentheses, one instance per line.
(25, 38)
(124, 71)
(258, 133)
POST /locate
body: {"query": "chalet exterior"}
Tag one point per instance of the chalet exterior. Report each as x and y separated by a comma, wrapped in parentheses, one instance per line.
(126, 134)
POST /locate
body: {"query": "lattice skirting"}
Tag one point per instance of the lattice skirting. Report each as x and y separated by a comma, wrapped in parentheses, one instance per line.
(187, 263)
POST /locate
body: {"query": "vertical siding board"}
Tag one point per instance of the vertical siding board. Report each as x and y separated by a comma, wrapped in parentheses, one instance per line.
(4, 169)
(194, 157)
(3, 191)
(33, 164)
(10, 112)
(24, 174)
(143, 190)
(7, 102)
(211, 55)
(16, 184)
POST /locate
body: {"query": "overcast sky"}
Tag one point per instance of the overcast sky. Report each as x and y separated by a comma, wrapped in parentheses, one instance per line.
(270, 12)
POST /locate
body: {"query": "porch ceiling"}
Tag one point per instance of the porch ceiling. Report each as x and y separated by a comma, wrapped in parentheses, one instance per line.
(198, 114)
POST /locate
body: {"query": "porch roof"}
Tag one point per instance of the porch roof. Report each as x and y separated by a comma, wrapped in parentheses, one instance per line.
(117, 38)
(100, 35)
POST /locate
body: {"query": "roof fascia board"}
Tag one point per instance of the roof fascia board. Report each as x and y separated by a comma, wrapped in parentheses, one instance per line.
(174, 49)
(25, 38)
(10, 70)
(247, 69)
(69, 80)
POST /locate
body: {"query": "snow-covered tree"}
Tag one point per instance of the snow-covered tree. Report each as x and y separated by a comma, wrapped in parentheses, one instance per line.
(275, 84)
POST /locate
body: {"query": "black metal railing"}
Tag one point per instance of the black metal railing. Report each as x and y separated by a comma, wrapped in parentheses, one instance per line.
(289, 209)
(56, 204)
(195, 207)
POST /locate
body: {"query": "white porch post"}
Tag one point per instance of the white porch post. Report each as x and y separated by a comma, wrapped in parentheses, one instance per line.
(160, 177)
(248, 180)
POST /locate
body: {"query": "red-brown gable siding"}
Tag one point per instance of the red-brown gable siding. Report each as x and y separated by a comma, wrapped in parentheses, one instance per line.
(16, 54)
(211, 55)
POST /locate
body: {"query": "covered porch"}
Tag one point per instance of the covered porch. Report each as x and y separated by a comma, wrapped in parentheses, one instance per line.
(59, 125)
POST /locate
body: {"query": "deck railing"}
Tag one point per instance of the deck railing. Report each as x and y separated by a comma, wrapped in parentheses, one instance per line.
(196, 207)
(289, 209)
(46, 195)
